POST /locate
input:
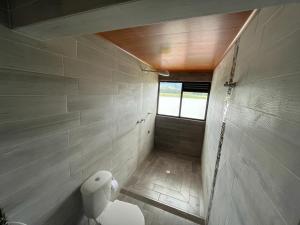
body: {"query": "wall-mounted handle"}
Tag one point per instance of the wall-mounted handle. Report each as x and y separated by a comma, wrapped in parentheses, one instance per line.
(140, 121)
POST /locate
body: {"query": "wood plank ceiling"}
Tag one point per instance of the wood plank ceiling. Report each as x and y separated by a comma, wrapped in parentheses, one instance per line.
(194, 44)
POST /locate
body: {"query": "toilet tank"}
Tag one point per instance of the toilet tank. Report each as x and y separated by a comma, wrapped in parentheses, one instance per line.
(96, 193)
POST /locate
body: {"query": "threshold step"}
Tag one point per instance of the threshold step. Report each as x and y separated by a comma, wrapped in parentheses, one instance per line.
(163, 206)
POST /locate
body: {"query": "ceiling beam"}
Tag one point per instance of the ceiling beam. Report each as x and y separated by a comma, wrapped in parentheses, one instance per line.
(130, 14)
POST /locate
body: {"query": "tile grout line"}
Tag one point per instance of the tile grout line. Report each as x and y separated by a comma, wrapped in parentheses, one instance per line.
(159, 197)
(230, 85)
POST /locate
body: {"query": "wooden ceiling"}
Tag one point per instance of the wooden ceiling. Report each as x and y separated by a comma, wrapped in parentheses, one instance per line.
(194, 44)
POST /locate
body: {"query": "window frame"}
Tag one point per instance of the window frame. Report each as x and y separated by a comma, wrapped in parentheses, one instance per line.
(180, 105)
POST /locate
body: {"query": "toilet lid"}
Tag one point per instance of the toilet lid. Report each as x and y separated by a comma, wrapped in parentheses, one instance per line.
(121, 213)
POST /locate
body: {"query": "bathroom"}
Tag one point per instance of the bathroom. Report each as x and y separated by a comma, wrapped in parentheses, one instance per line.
(87, 135)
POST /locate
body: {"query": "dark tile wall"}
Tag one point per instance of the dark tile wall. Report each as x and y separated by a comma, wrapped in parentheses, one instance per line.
(188, 76)
(179, 135)
(26, 12)
(4, 13)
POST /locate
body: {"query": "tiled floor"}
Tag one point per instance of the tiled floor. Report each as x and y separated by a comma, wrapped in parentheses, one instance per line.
(156, 216)
(170, 179)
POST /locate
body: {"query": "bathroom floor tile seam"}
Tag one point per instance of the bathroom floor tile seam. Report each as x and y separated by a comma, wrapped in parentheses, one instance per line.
(169, 179)
(155, 215)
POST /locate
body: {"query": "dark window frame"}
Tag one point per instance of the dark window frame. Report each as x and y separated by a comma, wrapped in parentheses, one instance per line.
(179, 116)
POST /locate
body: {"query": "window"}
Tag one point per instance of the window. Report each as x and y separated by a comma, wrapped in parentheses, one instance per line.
(188, 99)
(169, 98)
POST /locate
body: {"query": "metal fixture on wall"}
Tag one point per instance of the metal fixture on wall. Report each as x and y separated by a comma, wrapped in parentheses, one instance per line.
(230, 84)
(164, 73)
(140, 121)
(143, 119)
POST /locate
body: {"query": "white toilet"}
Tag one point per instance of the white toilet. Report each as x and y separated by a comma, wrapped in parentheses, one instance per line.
(96, 193)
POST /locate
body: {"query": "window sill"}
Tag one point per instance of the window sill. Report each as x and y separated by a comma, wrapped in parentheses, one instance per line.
(181, 118)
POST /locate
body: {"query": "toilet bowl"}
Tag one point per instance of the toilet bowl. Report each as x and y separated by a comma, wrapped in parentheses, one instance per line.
(96, 193)
(121, 213)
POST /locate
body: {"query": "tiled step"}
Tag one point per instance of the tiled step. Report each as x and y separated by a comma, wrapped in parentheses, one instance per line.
(171, 209)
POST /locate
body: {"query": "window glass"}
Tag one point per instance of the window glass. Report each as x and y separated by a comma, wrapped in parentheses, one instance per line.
(169, 98)
(187, 99)
(194, 105)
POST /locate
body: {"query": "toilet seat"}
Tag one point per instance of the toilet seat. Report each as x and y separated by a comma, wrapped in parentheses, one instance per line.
(121, 213)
